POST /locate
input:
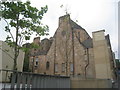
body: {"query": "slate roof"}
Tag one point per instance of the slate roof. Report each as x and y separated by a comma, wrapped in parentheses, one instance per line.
(75, 25)
(41, 52)
(88, 43)
(108, 40)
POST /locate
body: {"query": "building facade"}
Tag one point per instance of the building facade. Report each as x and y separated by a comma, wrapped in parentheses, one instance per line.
(72, 52)
(7, 60)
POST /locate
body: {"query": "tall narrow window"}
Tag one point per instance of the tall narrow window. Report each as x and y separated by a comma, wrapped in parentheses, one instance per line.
(56, 67)
(85, 57)
(63, 67)
(71, 67)
(47, 65)
(85, 52)
(36, 61)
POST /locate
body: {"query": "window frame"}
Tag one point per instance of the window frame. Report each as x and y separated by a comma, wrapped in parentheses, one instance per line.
(36, 62)
(56, 67)
(47, 65)
(63, 67)
(71, 67)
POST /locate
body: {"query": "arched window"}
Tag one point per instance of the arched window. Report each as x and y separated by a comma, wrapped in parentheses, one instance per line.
(47, 65)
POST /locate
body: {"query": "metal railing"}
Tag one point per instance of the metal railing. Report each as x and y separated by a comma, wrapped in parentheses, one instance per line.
(30, 80)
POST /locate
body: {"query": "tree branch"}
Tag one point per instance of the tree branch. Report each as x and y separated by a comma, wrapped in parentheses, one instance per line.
(21, 40)
(9, 30)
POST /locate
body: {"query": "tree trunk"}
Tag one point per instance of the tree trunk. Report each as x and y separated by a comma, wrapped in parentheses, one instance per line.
(16, 49)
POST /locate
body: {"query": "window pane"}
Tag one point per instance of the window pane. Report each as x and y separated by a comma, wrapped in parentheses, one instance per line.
(36, 61)
(47, 65)
(56, 67)
(63, 67)
(85, 57)
(71, 67)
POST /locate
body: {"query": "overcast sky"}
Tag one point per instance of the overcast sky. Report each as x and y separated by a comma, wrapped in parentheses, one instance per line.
(92, 15)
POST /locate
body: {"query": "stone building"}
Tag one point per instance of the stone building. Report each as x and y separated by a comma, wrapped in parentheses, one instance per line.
(72, 52)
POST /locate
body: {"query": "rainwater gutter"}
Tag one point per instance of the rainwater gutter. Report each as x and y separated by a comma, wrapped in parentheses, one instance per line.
(87, 63)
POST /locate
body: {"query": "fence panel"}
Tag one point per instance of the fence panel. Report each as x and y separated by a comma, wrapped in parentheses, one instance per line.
(29, 77)
(19, 77)
(13, 80)
(30, 80)
(24, 80)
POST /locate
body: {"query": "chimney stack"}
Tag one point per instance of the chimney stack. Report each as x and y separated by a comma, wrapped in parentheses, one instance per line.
(36, 40)
(64, 19)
